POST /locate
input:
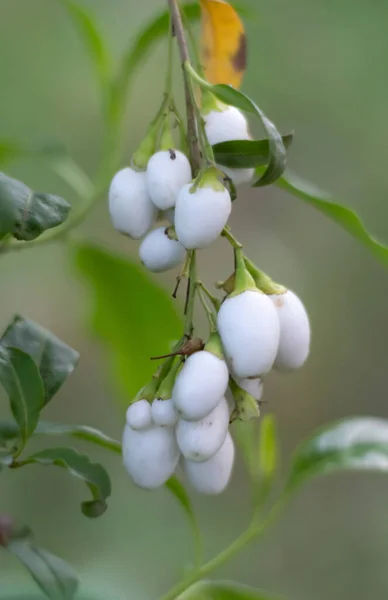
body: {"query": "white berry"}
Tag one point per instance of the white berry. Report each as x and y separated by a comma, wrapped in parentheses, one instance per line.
(150, 456)
(200, 385)
(254, 386)
(201, 215)
(212, 476)
(159, 253)
(225, 126)
(167, 172)
(139, 415)
(130, 206)
(200, 440)
(163, 412)
(249, 328)
(294, 343)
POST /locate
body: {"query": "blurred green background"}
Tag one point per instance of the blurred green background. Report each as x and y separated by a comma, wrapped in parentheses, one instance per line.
(317, 68)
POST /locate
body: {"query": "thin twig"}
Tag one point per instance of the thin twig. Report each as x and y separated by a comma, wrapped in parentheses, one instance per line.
(192, 135)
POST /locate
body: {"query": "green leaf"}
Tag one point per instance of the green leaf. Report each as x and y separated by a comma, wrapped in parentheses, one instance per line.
(21, 380)
(93, 474)
(26, 214)
(93, 40)
(344, 217)
(9, 430)
(268, 450)
(180, 493)
(11, 150)
(224, 590)
(55, 359)
(277, 153)
(133, 315)
(144, 42)
(357, 444)
(242, 154)
(53, 575)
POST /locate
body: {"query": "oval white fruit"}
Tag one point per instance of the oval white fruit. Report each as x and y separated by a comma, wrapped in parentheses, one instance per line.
(249, 328)
(130, 206)
(226, 125)
(200, 385)
(239, 176)
(159, 253)
(212, 476)
(167, 172)
(294, 345)
(201, 215)
(200, 440)
(163, 412)
(139, 415)
(150, 456)
(254, 386)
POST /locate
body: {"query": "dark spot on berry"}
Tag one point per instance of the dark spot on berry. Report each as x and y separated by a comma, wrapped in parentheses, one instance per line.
(172, 154)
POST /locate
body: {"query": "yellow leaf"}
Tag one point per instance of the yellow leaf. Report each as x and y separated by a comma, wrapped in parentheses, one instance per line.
(223, 43)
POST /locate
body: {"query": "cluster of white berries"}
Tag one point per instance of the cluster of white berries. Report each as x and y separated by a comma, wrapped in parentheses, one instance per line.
(183, 414)
(198, 210)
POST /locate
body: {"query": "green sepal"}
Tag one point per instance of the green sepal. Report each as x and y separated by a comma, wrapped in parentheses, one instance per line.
(210, 103)
(164, 391)
(214, 345)
(166, 139)
(243, 279)
(262, 281)
(247, 407)
(209, 178)
(146, 149)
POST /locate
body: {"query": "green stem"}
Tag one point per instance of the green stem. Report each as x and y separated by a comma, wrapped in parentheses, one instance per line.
(169, 60)
(191, 292)
(209, 313)
(254, 531)
(215, 301)
(194, 150)
(227, 234)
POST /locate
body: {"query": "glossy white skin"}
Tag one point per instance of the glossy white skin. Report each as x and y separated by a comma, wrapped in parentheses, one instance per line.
(249, 328)
(159, 253)
(254, 387)
(130, 206)
(165, 176)
(200, 385)
(295, 332)
(239, 176)
(139, 415)
(150, 456)
(201, 216)
(212, 476)
(226, 126)
(200, 440)
(163, 413)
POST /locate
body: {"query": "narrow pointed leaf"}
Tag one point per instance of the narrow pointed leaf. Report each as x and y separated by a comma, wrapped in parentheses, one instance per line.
(21, 380)
(56, 578)
(93, 40)
(55, 359)
(79, 465)
(223, 43)
(243, 154)
(277, 153)
(9, 431)
(26, 214)
(224, 590)
(132, 315)
(343, 216)
(356, 444)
